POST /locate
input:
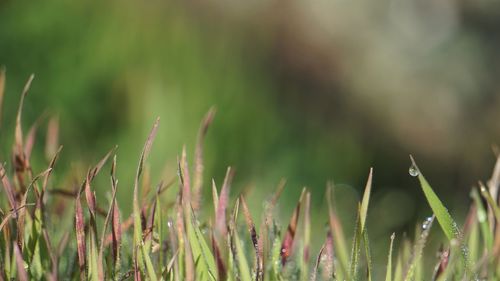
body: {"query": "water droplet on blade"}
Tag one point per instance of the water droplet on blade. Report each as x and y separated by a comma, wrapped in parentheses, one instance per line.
(426, 223)
(413, 171)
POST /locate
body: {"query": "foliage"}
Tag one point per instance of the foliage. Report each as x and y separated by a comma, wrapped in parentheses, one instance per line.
(164, 240)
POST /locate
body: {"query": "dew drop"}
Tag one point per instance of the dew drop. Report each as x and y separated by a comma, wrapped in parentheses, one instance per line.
(426, 223)
(413, 170)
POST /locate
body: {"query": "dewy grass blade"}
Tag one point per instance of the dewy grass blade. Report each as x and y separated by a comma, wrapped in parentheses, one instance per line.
(448, 225)
(418, 249)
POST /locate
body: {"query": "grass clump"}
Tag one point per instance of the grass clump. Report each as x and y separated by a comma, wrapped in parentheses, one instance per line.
(166, 241)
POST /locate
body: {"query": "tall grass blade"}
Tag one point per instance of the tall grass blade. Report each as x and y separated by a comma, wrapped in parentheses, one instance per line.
(198, 158)
(444, 218)
(366, 200)
(448, 225)
(388, 274)
(80, 237)
(418, 250)
(205, 266)
(2, 92)
(8, 188)
(482, 218)
(442, 264)
(255, 240)
(337, 232)
(215, 197)
(18, 146)
(52, 138)
(22, 275)
(137, 242)
(287, 244)
(369, 265)
(491, 202)
(307, 237)
(356, 248)
(244, 270)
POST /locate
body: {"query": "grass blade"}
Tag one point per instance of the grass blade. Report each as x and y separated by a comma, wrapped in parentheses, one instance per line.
(205, 267)
(366, 199)
(482, 218)
(220, 219)
(137, 242)
(307, 237)
(8, 188)
(198, 158)
(337, 231)
(368, 254)
(2, 91)
(491, 202)
(80, 237)
(418, 249)
(444, 218)
(388, 274)
(52, 138)
(448, 225)
(237, 248)
(286, 246)
(356, 248)
(22, 275)
(255, 240)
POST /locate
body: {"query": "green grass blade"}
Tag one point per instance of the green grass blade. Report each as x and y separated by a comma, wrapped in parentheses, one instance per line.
(275, 258)
(482, 218)
(338, 234)
(356, 246)
(366, 200)
(444, 218)
(418, 250)
(491, 202)
(205, 267)
(398, 271)
(388, 274)
(448, 225)
(244, 269)
(307, 237)
(149, 265)
(93, 255)
(368, 254)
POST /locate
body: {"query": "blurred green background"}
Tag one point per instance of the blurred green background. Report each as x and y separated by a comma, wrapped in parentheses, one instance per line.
(308, 91)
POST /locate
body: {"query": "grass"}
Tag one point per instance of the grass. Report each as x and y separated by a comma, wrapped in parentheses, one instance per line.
(166, 241)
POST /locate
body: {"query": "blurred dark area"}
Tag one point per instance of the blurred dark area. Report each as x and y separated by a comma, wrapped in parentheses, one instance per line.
(308, 91)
